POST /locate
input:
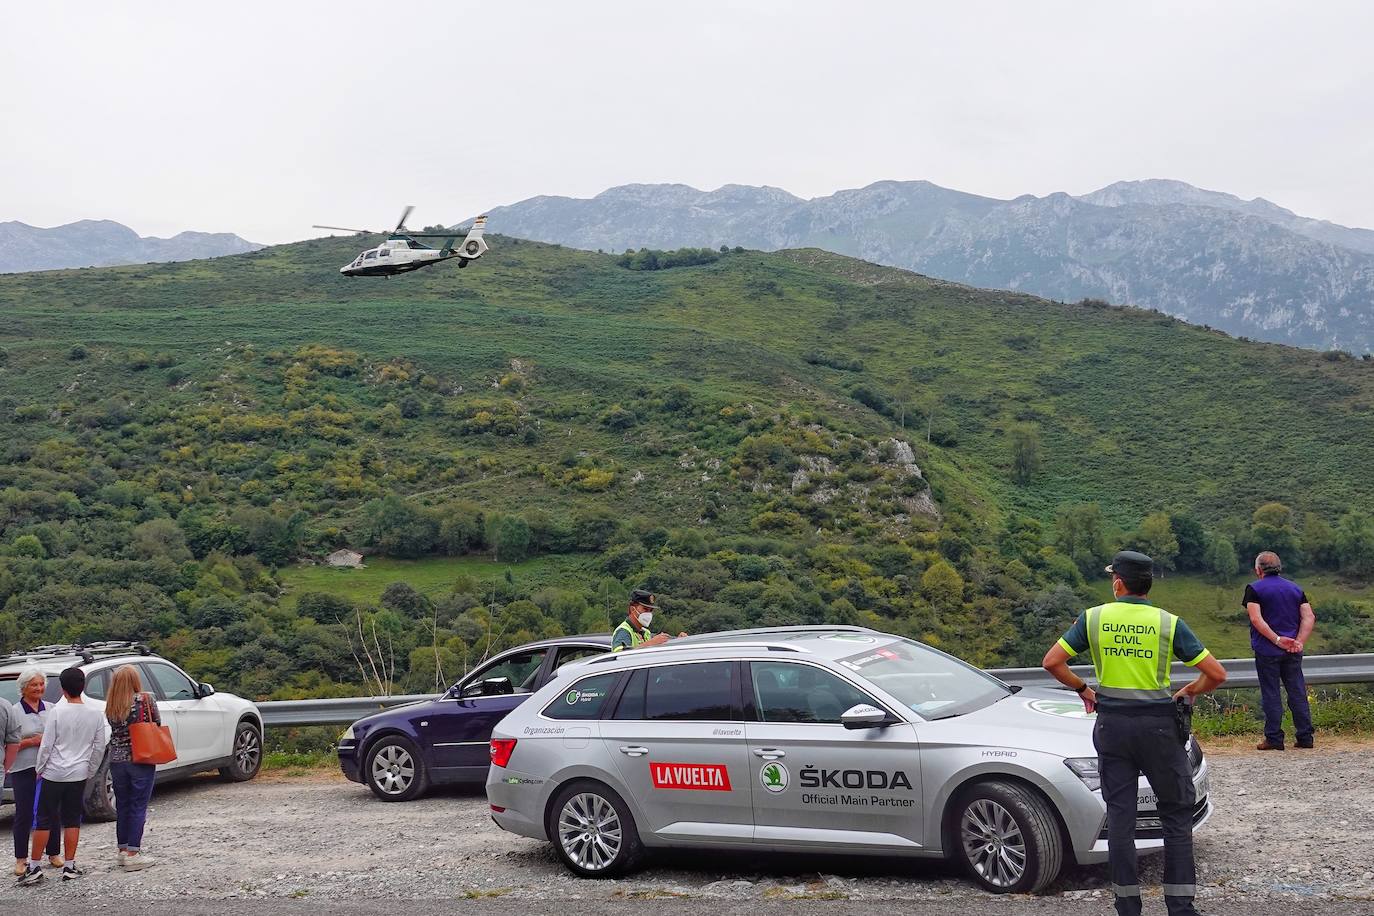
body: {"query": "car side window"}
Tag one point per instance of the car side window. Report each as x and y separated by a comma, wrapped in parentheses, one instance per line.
(702, 692)
(173, 684)
(97, 684)
(585, 699)
(787, 692)
(520, 670)
(573, 653)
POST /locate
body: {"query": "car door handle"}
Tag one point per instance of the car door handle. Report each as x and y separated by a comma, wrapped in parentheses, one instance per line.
(633, 750)
(769, 753)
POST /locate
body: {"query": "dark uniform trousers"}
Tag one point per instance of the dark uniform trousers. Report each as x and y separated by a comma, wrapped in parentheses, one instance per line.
(1128, 745)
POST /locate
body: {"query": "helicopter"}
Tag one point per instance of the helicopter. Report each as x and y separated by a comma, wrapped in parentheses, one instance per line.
(401, 253)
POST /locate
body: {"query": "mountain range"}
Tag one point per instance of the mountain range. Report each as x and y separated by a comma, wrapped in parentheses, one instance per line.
(1247, 267)
(104, 243)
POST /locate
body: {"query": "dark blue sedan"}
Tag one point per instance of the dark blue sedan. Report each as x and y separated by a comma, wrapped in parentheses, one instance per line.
(401, 752)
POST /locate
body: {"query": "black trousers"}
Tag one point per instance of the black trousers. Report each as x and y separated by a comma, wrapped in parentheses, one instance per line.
(1127, 746)
(23, 784)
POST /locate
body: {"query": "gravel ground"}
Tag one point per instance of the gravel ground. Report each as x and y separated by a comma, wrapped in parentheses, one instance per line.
(1291, 832)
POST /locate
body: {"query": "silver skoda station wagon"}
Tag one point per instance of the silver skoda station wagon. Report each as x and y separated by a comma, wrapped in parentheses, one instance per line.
(821, 739)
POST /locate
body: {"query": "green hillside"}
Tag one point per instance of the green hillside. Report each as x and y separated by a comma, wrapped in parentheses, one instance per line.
(738, 435)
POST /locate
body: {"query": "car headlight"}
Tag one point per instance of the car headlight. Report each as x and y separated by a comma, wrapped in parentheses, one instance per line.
(1085, 768)
(347, 735)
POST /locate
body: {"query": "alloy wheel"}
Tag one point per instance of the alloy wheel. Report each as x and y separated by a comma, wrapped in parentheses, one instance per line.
(589, 831)
(247, 751)
(393, 769)
(993, 842)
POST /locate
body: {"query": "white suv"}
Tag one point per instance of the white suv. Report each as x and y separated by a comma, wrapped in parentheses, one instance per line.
(212, 731)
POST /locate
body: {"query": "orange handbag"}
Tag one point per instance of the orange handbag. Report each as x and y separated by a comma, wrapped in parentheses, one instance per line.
(148, 741)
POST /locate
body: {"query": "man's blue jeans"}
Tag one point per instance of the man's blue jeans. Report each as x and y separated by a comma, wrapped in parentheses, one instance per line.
(133, 787)
(1285, 669)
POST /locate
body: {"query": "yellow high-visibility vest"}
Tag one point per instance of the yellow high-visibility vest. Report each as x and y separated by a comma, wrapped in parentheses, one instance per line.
(636, 638)
(1132, 646)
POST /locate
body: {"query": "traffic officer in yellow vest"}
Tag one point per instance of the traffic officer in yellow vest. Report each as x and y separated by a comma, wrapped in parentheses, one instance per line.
(633, 632)
(1139, 727)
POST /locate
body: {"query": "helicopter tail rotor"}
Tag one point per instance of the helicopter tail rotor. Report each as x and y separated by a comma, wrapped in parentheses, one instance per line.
(473, 246)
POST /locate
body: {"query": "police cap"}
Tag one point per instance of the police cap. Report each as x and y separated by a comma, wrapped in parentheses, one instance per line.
(645, 597)
(1131, 565)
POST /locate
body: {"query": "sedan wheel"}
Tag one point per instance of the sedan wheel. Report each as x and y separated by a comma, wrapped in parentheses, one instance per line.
(1007, 836)
(593, 831)
(993, 843)
(395, 771)
(589, 830)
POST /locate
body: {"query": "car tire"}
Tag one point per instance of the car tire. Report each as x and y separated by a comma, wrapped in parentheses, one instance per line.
(99, 800)
(394, 770)
(1006, 836)
(247, 754)
(593, 831)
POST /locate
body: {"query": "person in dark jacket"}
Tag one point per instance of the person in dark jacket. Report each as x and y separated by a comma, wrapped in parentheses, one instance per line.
(1281, 621)
(126, 704)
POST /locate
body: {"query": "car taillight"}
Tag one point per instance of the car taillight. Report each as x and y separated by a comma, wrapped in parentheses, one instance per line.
(501, 749)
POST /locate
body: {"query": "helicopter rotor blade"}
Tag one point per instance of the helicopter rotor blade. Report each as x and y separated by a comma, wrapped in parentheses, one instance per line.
(345, 229)
(405, 214)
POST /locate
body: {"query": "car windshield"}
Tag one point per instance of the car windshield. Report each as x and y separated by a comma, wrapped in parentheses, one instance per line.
(929, 682)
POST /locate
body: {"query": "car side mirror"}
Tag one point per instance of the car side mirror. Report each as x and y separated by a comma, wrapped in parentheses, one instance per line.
(491, 687)
(204, 690)
(864, 716)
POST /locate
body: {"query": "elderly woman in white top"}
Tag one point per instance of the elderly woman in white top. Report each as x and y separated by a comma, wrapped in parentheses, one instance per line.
(32, 714)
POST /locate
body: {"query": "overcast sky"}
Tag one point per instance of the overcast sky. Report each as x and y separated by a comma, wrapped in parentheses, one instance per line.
(263, 118)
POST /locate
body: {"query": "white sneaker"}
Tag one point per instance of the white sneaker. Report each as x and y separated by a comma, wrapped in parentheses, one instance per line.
(139, 862)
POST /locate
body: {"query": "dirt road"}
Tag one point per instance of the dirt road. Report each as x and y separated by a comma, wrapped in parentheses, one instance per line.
(1290, 829)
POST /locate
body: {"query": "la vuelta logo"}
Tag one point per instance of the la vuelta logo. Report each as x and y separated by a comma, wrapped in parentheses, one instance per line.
(709, 777)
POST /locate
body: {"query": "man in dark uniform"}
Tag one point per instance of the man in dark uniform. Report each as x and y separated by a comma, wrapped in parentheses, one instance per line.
(1139, 729)
(1281, 620)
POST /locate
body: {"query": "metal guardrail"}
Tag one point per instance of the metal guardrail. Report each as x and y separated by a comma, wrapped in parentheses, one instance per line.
(1240, 672)
(1318, 669)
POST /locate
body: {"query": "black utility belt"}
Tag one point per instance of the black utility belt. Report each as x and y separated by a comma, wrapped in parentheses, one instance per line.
(1164, 710)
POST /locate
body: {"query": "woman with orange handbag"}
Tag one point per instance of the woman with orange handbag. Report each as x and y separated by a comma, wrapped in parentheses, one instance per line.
(126, 706)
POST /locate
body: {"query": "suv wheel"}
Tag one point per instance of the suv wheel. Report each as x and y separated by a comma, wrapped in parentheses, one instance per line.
(1007, 838)
(394, 771)
(100, 797)
(247, 754)
(593, 831)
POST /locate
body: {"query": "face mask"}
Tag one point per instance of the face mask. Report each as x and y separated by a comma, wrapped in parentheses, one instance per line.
(646, 618)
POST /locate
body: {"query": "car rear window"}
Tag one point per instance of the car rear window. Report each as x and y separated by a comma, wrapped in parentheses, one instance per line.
(702, 692)
(9, 688)
(584, 699)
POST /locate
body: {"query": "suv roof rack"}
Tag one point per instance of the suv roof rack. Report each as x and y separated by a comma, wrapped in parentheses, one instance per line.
(87, 653)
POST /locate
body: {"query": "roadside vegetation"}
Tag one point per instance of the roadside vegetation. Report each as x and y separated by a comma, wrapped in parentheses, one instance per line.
(760, 439)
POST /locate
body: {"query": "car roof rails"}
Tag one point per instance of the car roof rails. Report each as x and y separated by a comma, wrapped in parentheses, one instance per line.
(88, 652)
(697, 646)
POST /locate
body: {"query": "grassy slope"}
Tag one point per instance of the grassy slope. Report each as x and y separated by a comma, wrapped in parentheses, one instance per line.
(432, 577)
(1137, 411)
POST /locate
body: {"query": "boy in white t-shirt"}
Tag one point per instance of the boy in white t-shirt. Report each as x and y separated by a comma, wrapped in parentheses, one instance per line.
(73, 745)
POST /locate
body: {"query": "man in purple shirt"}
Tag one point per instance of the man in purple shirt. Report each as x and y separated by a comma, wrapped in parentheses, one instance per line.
(1281, 620)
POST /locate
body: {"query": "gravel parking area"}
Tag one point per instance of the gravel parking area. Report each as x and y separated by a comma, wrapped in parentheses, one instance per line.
(1288, 827)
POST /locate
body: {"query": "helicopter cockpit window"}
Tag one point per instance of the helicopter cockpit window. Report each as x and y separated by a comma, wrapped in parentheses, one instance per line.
(384, 253)
(370, 255)
(414, 244)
